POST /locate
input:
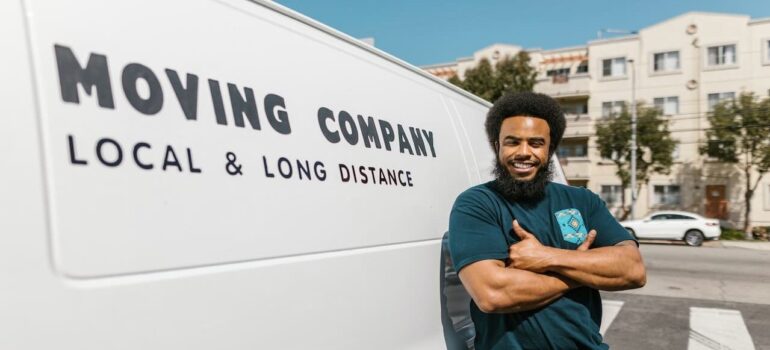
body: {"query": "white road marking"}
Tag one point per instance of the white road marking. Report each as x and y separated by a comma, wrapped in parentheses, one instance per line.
(610, 309)
(718, 329)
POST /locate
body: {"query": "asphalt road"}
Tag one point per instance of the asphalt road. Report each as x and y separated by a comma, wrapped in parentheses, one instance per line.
(695, 298)
(712, 273)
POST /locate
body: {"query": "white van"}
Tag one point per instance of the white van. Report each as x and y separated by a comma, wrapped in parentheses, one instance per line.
(221, 174)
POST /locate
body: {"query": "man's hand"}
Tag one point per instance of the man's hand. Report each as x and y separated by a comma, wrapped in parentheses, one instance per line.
(531, 255)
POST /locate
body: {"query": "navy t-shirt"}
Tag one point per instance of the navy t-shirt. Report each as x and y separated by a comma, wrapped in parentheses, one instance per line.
(480, 228)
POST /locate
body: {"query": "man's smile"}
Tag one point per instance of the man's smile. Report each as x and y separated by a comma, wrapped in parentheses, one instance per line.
(522, 167)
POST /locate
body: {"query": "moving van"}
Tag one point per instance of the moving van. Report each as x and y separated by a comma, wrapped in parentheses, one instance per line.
(221, 174)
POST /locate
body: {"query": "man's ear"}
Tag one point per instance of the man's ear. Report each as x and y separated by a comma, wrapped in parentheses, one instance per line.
(497, 147)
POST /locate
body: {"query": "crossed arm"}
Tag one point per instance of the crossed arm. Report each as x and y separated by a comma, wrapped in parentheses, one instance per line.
(538, 274)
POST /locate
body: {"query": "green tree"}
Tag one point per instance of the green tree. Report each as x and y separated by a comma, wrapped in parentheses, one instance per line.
(516, 74)
(740, 135)
(654, 147)
(511, 74)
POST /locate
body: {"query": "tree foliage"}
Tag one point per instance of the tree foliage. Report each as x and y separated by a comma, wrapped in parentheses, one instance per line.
(654, 147)
(511, 74)
(740, 134)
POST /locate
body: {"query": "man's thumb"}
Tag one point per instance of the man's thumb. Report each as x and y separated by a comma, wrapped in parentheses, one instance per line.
(589, 240)
(523, 234)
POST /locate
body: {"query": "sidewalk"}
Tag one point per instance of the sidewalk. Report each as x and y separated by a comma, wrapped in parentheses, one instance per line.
(759, 245)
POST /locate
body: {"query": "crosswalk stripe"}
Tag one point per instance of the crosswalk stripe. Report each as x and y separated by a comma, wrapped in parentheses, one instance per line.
(718, 329)
(610, 310)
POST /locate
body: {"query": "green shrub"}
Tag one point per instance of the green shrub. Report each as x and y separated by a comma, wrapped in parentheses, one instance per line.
(729, 234)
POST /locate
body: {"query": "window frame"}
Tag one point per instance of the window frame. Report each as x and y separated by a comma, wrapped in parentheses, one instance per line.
(709, 67)
(765, 50)
(571, 146)
(655, 203)
(709, 107)
(615, 191)
(577, 68)
(613, 104)
(613, 77)
(677, 70)
(666, 100)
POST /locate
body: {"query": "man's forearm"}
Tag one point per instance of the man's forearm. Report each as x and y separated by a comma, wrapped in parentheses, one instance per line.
(608, 268)
(521, 290)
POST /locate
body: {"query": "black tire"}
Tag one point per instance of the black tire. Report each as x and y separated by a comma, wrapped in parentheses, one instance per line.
(693, 238)
(631, 231)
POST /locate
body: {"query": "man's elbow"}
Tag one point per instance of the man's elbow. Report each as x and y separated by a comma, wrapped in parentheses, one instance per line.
(491, 302)
(637, 277)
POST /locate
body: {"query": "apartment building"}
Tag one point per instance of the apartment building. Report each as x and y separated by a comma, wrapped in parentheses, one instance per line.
(684, 66)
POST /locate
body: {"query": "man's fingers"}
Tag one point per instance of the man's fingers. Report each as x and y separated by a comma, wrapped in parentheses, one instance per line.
(589, 240)
(523, 234)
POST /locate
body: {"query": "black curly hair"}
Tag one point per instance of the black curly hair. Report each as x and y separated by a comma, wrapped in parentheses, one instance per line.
(528, 104)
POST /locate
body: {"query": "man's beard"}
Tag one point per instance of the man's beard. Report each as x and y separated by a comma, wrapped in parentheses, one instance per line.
(518, 190)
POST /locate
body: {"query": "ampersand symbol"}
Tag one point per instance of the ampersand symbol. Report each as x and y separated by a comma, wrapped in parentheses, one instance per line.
(232, 168)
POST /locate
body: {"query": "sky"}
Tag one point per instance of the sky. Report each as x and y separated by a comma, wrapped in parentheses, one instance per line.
(425, 32)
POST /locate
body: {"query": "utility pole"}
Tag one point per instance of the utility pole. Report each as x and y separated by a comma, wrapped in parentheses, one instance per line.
(633, 139)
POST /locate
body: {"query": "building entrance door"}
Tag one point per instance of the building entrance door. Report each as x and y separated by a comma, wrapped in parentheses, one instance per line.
(716, 201)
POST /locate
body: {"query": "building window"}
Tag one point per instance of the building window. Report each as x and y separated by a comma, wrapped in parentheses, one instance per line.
(560, 71)
(613, 157)
(573, 148)
(666, 195)
(612, 195)
(583, 67)
(666, 61)
(667, 105)
(614, 67)
(578, 109)
(716, 98)
(675, 153)
(558, 76)
(612, 108)
(721, 55)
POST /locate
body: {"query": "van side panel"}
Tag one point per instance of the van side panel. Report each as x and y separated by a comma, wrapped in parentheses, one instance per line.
(176, 178)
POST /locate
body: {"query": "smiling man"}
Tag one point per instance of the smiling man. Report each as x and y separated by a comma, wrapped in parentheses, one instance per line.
(534, 254)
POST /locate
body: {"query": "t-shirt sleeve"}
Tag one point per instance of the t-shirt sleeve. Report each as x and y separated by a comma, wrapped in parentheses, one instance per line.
(474, 231)
(608, 230)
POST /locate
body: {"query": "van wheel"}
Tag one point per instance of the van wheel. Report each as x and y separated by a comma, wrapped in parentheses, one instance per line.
(631, 232)
(693, 238)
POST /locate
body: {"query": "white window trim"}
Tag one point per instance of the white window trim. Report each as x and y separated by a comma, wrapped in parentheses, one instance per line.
(651, 65)
(600, 70)
(665, 99)
(651, 194)
(765, 51)
(706, 99)
(705, 54)
(601, 108)
(616, 205)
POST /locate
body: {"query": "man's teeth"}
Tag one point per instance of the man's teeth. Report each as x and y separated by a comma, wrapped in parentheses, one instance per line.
(522, 165)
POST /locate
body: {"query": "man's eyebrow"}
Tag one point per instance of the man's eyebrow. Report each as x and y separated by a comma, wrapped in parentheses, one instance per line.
(515, 138)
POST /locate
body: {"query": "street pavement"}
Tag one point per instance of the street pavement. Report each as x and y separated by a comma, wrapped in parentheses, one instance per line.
(711, 297)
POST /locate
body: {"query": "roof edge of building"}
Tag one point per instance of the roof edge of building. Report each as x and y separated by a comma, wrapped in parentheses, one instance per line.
(613, 40)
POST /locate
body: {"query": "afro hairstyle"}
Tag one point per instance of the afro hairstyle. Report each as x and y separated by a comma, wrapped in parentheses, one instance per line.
(528, 104)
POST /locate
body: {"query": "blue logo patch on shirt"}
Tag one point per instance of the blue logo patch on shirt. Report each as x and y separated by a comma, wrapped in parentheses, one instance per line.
(573, 229)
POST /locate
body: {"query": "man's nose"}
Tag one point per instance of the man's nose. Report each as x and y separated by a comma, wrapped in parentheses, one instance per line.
(524, 151)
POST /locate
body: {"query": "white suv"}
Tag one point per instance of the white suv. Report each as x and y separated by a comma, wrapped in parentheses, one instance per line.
(674, 225)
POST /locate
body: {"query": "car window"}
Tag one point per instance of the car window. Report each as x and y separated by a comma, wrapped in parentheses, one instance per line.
(681, 217)
(660, 217)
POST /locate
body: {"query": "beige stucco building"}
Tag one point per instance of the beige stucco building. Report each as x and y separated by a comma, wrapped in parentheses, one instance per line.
(684, 66)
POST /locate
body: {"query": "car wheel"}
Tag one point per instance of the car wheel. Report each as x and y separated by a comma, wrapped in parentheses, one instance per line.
(631, 232)
(693, 238)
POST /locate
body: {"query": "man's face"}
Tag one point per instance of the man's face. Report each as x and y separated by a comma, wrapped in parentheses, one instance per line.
(523, 146)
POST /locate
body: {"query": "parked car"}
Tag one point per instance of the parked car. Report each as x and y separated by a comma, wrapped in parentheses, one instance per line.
(692, 228)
